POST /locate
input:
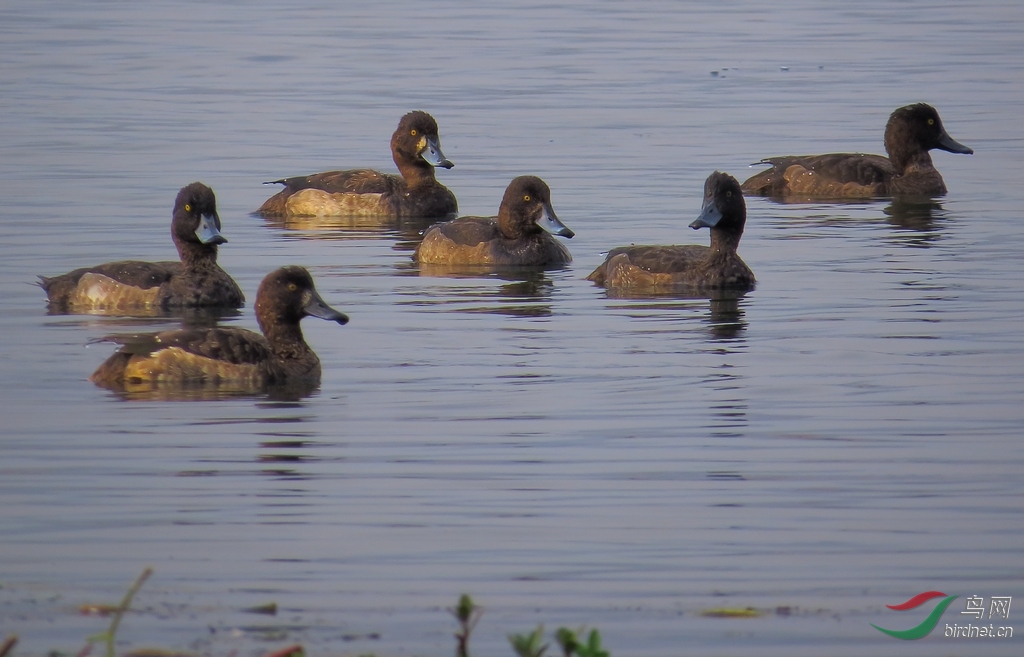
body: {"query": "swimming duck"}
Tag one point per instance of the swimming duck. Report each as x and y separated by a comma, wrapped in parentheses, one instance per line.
(213, 356)
(519, 235)
(130, 285)
(416, 149)
(697, 268)
(911, 132)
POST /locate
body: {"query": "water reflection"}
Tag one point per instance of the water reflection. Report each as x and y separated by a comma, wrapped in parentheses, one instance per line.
(818, 201)
(526, 292)
(729, 409)
(724, 321)
(922, 218)
(210, 391)
(408, 230)
(917, 220)
(189, 317)
(282, 457)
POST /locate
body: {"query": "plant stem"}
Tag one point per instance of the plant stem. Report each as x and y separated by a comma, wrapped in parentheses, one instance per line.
(8, 644)
(112, 630)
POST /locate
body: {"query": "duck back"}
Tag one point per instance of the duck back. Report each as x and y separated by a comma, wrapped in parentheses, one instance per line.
(690, 266)
(479, 241)
(835, 175)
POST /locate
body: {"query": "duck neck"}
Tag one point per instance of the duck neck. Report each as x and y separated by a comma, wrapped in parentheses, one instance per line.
(416, 172)
(906, 159)
(285, 338)
(513, 229)
(724, 241)
(197, 256)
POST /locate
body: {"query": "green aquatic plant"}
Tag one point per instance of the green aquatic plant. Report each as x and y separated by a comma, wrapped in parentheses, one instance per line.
(529, 645)
(111, 633)
(569, 641)
(592, 648)
(468, 614)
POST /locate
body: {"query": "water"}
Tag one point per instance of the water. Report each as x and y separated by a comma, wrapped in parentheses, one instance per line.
(843, 437)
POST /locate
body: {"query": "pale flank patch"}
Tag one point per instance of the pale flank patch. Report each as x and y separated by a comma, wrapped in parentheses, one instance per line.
(805, 181)
(318, 203)
(620, 272)
(175, 365)
(99, 292)
(436, 249)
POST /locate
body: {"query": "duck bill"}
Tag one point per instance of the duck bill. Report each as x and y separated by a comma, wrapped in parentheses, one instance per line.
(947, 143)
(549, 222)
(709, 216)
(317, 307)
(209, 230)
(430, 151)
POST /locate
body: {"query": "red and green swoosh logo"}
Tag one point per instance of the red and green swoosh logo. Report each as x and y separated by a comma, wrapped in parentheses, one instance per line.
(928, 624)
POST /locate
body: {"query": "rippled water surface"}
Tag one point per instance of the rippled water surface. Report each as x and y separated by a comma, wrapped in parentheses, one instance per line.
(843, 437)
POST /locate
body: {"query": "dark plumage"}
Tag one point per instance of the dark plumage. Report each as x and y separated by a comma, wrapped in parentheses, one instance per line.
(519, 235)
(416, 149)
(911, 132)
(231, 357)
(132, 286)
(695, 268)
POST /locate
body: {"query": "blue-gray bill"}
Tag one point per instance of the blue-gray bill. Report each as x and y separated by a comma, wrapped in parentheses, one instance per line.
(709, 216)
(947, 143)
(317, 307)
(208, 231)
(433, 155)
(549, 222)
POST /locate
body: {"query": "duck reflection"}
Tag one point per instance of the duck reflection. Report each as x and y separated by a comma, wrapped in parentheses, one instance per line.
(525, 292)
(918, 220)
(156, 391)
(728, 410)
(724, 320)
(281, 458)
(921, 220)
(197, 318)
(188, 317)
(407, 231)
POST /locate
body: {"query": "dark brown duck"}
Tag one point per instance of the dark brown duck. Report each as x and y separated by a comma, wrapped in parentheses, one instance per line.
(130, 286)
(229, 356)
(416, 149)
(910, 134)
(691, 267)
(521, 234)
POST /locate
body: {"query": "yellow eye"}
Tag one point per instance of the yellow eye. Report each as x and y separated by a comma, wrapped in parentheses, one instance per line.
(931, 121)
(188, 208)
(526, 198)
(292, 287)
(413, 132)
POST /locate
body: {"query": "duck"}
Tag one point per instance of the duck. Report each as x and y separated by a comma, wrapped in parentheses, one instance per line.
(911, 132)
(692, 267)
(416, 149)
(132, 286)
(521, 234)
(214, 356)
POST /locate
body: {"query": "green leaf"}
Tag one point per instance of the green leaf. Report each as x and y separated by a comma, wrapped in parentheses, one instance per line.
(465, 608)
(529, 645)
(593, 647)
(568, 641)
